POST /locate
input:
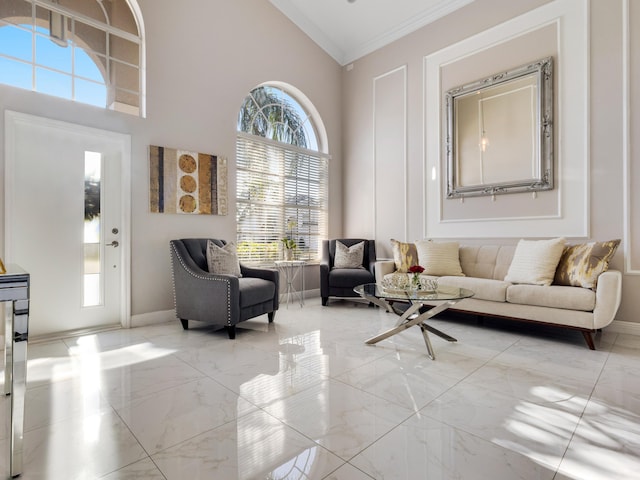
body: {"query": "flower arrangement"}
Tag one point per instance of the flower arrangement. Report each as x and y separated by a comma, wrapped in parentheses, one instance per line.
(288, 242)
(416, 270)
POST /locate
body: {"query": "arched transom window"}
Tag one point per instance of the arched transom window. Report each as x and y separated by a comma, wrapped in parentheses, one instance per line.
(282, 177)
(89, 51)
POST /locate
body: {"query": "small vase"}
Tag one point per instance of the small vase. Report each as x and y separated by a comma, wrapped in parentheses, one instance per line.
(288, 254)
(415, 282)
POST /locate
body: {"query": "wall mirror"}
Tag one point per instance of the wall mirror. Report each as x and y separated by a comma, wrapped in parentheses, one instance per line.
(499, 133)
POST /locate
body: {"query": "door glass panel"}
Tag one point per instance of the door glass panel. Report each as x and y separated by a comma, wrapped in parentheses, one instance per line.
(92, 230)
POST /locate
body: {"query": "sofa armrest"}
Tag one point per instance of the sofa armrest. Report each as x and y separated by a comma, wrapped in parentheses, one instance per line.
(608, 297)
(384, 267)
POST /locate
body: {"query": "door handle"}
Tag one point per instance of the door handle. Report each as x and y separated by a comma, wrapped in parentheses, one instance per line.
(113, 244)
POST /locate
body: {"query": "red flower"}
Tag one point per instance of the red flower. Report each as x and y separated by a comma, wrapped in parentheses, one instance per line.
(416, 269)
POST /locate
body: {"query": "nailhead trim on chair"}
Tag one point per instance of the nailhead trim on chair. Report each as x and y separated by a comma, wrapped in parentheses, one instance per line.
(193, 274)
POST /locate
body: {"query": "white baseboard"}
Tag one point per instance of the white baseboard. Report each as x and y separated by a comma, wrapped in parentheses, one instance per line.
(152, 318)
(164, 316)
(628, 328)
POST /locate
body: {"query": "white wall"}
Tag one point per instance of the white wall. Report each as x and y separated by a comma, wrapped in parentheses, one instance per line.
(608, 163)
(202, 60)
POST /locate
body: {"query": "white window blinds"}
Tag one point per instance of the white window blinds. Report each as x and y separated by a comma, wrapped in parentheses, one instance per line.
(281, 193)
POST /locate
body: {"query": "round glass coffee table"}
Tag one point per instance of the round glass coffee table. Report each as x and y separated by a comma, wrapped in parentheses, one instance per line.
(443, 297)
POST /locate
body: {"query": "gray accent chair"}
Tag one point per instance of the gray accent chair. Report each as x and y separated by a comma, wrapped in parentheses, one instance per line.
(339, 282)
(223, 300)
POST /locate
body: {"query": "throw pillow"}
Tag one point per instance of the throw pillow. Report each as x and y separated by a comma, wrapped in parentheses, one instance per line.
(349, 257)
(535, 261)
(223, 260)
(439, 258)
(405, 255)
(581, 265)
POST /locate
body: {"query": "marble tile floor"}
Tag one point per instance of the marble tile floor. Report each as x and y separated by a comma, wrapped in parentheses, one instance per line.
(305, 398)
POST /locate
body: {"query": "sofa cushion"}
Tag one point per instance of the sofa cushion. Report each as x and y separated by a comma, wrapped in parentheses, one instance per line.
(486, 261)
(581, 265)
(439, 258)
(223, 260)
(349, 257)
(254, 291)
(405, 255)
(554, 296)
(483, 288)
(535, 261)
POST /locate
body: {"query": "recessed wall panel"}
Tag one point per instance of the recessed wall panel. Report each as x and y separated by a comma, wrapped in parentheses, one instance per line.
(390, 162)
(633, 160)
(558, 29)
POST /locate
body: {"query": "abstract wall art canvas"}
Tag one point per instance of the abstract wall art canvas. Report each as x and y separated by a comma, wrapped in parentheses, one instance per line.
(181, 181)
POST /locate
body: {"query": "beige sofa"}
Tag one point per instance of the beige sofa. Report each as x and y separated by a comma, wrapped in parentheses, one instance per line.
(485, 268)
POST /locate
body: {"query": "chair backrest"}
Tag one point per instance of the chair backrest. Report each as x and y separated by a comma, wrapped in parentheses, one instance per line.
(369, 257)
(197, 249)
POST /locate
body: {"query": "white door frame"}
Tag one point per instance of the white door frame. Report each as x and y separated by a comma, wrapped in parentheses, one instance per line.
(123, 141)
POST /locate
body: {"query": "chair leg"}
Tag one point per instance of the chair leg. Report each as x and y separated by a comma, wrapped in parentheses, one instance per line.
(231, 331)
(271, 316)
(185, 323)
(324, 301)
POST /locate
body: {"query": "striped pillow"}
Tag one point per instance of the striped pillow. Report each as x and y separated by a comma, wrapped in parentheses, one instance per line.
(440, 258)
(535, 261)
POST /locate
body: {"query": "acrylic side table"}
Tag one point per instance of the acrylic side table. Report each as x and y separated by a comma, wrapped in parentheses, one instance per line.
(290, 270)
(14, 288)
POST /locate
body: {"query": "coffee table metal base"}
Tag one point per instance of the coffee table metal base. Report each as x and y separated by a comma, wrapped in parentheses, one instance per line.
(412, 317)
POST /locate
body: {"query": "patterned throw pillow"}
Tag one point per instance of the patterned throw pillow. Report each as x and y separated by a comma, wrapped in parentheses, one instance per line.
(581, 265)
(405, 255)
(440, 258)
(223, 260)
(349, 257)
(535, 261)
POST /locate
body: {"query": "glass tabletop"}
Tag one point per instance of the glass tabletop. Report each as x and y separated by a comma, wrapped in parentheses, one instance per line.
(443, 292)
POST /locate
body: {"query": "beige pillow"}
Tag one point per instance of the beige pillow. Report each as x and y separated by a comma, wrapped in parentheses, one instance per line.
(581, 265)
(535, 261)
(405, 255)
(223, 260)
(349, 257)
(439, 258)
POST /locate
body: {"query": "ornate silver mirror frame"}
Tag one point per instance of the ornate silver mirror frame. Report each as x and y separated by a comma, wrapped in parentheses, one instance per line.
(499, 133)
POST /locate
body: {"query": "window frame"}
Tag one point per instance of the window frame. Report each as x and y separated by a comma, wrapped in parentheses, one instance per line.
(109, 75)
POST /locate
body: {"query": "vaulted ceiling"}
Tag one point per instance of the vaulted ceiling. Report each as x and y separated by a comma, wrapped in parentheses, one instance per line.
(350, 29)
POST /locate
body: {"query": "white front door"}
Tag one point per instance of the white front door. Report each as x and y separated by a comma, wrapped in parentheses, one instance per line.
(65, 221)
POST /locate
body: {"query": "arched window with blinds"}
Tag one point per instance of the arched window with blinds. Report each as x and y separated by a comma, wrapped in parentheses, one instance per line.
(282, 178)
